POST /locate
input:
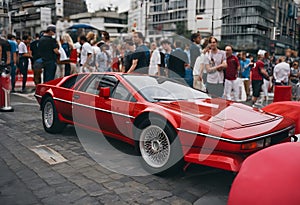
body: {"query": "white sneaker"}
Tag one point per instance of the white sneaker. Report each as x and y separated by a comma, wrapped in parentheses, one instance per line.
(258, 105)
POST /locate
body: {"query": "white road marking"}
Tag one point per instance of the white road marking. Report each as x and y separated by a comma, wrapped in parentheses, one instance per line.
(48, 155)
(20, 103)
(29, 96)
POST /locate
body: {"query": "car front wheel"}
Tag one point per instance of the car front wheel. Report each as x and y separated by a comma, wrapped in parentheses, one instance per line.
(159, 147)
(51, 122)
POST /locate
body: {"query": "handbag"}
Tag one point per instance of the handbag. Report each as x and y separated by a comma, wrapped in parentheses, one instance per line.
(63, 56)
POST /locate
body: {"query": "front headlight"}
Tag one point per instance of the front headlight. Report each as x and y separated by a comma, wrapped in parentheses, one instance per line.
(253, 145)
(257, 144)
(267, 141)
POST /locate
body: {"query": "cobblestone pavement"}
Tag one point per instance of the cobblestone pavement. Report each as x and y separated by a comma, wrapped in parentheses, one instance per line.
(27, 179)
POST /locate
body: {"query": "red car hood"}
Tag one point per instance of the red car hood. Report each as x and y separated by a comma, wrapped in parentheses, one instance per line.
(226, 114)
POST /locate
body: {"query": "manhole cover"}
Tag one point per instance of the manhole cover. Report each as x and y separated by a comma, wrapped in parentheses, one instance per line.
(47, 154)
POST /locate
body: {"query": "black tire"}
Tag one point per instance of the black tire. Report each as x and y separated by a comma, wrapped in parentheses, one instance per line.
(51, 122)
(164, 147)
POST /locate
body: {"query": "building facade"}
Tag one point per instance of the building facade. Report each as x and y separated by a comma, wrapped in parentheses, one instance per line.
(4, 20)
(137, 16)
(29, 17)
(206, 17)
(247, 24)
(286, 29)
(107, 20)
(163, 18)
(166, 16)
(259, 24)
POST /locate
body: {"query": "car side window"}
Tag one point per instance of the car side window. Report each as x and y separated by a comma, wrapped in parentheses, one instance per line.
(71, 81)
(121, 93)
(94, 84)
(109, 81)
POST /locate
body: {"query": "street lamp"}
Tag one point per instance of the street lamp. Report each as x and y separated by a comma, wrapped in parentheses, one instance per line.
(146, 19)
(213, 18)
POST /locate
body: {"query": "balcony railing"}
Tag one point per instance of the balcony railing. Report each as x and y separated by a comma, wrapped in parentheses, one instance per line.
(286, 39)
(232, 4)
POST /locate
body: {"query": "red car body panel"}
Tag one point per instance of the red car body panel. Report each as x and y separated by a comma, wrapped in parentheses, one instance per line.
(211, 131)
(268, 177)
(289, 109)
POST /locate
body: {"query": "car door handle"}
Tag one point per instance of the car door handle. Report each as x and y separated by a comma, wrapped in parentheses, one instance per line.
(76, 97)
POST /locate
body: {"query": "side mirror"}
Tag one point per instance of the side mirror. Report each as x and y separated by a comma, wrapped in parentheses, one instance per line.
(104, 92)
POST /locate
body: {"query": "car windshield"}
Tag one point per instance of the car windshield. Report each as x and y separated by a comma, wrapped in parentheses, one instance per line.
(155, 88)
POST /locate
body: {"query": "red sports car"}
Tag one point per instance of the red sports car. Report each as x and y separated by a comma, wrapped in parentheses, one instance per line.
(168, 122)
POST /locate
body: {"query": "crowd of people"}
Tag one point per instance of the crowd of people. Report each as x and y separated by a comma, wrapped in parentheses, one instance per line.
(200, 64)
(222, 72)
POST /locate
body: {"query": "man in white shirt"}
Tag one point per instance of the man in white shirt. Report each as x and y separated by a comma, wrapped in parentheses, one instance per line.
(198, 69)
(281, 72)
(154, 60)
(24, 56)
(215, 69)
(85, 54)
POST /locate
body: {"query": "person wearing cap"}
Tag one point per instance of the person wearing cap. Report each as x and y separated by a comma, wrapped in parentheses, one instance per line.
(48, 49)
(257, 73)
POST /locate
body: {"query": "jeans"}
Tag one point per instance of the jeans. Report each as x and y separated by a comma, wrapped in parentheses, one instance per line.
(37, 71)
(189, 76)
(13, 69)
(23, 65)
(49, 70)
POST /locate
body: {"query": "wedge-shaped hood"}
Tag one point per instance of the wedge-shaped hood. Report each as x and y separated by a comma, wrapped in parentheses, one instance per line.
(226, 114)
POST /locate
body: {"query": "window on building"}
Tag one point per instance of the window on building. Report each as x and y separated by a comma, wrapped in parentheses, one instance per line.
(200, 6)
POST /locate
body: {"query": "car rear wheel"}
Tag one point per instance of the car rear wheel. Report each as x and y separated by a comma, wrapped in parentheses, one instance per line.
(159, 147)
(51, 122)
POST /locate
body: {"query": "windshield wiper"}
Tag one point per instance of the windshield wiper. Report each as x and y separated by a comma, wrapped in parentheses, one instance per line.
(166, 99)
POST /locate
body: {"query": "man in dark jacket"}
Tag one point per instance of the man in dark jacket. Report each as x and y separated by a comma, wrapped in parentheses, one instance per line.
(36, 59)
(178, 61)
(141, 56)
(195, 49)
(48, 49)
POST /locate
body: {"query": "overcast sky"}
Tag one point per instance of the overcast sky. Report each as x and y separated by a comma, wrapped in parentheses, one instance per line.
(96, 4)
